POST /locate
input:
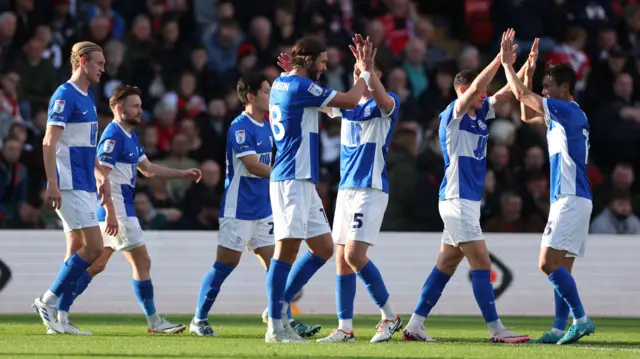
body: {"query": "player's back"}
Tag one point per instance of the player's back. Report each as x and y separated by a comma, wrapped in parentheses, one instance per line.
(75, 111)
(463, 141)
(246, 196)
(120, 150)
(568, 141)
(365, 136)
(293, 107)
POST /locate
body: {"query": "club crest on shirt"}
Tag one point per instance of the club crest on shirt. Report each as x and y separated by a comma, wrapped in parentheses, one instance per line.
(109, 145)
(58, 106)
(367, 111)
(482, 125)
(240, 137)
(315, 90)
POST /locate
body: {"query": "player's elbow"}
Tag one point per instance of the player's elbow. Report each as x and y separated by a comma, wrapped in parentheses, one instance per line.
(519, 94)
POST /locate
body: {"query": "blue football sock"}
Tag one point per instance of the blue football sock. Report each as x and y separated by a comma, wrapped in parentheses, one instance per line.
(289, 315)
(143, 289)
(210, 287)
(302, 271)
(276, 282)
(431, 292)
(69, 296)
(370, 276)
(566, 287)
(66, 281)
(345, 295)
(485, 297)
(562, 312)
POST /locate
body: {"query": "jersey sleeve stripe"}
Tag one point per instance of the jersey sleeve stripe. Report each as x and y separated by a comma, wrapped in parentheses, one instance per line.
(491, 111)
(328, 99)
(245, 153)
(388, 114)
(547, 115)
(56, 123)
(107, 164)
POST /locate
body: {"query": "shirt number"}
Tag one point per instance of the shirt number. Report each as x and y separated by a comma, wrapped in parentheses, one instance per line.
(353, 134)
(94, 134)
(481, 147)
(275, 115)
(587, 145)
(134, 172)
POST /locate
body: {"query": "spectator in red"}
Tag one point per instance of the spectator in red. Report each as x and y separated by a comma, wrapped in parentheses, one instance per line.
(571, 51)
(399, 24)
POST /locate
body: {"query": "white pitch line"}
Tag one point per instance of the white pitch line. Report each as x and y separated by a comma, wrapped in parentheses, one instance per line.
(605, 349)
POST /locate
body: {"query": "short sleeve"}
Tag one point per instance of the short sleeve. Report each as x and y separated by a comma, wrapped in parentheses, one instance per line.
(556, 110)
(487, 109)
(141, 155)
(310, 94)
(108, 149)
(60, 108)
(334, 112)
(396, 106)
(242, 141)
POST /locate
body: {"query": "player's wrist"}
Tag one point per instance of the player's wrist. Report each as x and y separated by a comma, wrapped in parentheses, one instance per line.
(366, 76)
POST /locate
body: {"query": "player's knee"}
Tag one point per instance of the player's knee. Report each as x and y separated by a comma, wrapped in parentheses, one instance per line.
(97, 268)
(356, 260)
(143, 264)
(448, 264)
(91, 254)
(325, 252)
(547, 266)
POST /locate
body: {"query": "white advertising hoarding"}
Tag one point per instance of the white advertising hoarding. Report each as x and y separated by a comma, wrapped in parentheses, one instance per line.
(607, 277)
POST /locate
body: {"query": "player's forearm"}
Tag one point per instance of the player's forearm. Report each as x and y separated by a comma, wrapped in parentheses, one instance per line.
(50, 165)
(355, 93)
(526, 113)
(522, 93)
(99, 171)
(380, 96)
(260, 169)
(517, 87)
(505, 94)
(155, 170)
(486, 76)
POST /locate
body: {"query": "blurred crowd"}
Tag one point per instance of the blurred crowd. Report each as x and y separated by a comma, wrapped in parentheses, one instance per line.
(186, 56)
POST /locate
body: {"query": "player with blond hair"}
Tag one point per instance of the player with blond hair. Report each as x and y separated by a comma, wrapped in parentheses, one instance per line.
(69, 151)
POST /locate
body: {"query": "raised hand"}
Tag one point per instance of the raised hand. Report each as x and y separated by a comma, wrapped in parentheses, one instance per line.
(533, 57)
(284, 61)
(363, 49)
(507, 48)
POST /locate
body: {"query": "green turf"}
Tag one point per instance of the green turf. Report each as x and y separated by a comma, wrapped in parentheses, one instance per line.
(124, 336)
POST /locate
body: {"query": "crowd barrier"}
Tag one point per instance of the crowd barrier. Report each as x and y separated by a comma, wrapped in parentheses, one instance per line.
(607, 276)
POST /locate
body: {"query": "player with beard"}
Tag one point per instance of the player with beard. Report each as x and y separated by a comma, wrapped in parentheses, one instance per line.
(298, 214)
(120, 156)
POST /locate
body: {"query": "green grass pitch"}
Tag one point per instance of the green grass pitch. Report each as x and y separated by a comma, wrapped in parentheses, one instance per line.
(124, 336)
